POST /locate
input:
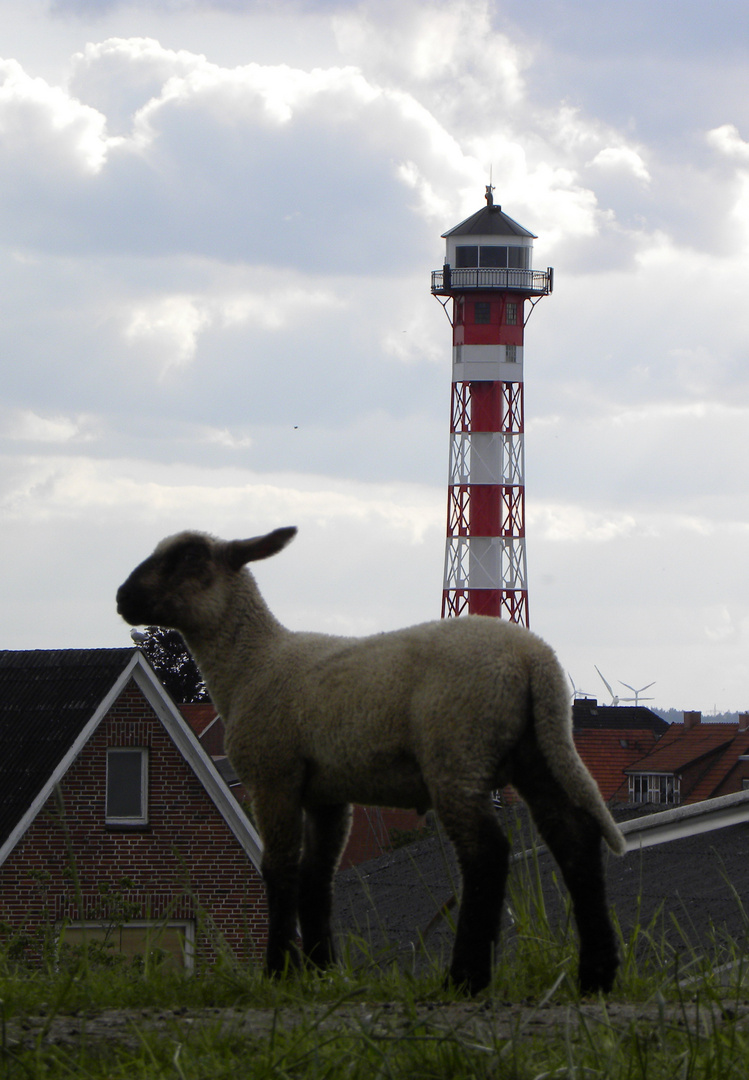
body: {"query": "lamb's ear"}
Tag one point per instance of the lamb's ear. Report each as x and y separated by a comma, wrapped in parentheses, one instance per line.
(239, 552)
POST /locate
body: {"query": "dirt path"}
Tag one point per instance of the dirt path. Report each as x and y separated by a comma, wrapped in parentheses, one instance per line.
(485, 1023)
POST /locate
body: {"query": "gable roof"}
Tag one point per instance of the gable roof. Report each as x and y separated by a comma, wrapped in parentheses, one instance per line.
(716, 748)
(51, 702)
(489, 221)
(681, 746)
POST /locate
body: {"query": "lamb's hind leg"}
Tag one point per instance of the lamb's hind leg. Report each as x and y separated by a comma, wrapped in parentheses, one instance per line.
(326, 829)
(574, 839)
(483, 854)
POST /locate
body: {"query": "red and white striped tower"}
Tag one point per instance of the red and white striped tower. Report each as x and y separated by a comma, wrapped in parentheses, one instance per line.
(488, 276)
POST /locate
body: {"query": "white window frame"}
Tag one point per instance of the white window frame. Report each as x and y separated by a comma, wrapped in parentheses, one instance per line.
(133, 819)
(654, 788)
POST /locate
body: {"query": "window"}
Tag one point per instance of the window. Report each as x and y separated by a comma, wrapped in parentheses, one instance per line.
(511, 354)
(173, 941)
(127, 786)
(482, 311)
(662, 788)
(493, 256)
(466, 256)
(511, 314)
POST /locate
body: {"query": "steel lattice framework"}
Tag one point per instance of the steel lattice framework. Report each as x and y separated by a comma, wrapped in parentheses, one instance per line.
(485, 559)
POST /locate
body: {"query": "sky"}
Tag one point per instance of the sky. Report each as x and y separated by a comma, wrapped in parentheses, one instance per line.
(218, 220)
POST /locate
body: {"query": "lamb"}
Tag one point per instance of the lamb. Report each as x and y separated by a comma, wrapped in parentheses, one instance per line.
(438, 715)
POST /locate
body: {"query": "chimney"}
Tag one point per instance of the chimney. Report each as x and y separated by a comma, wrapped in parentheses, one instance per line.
(743, 721)
(691, 720)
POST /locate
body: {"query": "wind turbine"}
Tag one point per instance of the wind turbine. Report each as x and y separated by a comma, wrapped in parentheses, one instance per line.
(638, 692)
(615, 699)
(577, 695)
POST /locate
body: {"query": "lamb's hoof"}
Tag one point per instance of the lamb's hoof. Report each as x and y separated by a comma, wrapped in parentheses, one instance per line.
(597, 977)
(283, 965)
(319, 957)
(468, 983)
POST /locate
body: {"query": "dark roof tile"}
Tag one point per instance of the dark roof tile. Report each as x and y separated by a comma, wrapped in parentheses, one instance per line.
(489, 221)
(46, 698)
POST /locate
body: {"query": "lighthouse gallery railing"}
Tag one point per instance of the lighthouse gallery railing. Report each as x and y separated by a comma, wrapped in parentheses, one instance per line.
(539, 282)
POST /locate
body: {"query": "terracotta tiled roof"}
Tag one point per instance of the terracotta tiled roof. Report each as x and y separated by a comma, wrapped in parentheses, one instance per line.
(607, 753)
(709, 751)
(199, 715)
(680, 747)
(717, 772)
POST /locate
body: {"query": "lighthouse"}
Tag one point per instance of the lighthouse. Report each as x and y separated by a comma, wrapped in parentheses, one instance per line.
(488, 276)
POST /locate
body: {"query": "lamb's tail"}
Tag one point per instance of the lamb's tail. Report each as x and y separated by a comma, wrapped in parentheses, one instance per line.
(552, 716)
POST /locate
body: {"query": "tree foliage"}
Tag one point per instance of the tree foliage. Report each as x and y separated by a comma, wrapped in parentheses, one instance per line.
(168, 655)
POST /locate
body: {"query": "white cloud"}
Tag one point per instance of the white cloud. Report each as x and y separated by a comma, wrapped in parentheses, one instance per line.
(165, 332)
(227, 438)
(727, 140)
(119, 76)
(24, 425)
(568, 522)
(43, 128)
(622, 158)
(368, 541)
(168, 329)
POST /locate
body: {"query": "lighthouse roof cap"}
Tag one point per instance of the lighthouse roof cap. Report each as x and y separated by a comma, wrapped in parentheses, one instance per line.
(489, 221)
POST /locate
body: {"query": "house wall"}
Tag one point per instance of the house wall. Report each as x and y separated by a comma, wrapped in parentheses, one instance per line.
(370, 832)
(184, 864)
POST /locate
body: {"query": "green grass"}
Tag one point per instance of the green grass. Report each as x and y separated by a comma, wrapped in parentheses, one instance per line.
(370, 1019)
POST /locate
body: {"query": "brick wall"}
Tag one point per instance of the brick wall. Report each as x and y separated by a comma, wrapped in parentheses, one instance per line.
(185, 862)
(370, 832)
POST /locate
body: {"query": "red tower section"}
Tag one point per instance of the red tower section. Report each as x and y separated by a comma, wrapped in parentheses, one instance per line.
(488, 276)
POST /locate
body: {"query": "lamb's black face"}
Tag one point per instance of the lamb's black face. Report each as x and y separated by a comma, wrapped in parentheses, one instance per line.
(159, 591)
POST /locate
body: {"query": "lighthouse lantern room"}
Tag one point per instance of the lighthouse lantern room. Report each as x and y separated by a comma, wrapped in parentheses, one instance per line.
(488, 276)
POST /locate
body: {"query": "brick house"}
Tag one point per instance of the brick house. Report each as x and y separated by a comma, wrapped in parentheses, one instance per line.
(610, 739)
(114, 821)
(638, 758)
(691, 762)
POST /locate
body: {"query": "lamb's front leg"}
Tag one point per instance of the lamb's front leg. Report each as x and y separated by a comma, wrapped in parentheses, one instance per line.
(279, 820)
(326, 830)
